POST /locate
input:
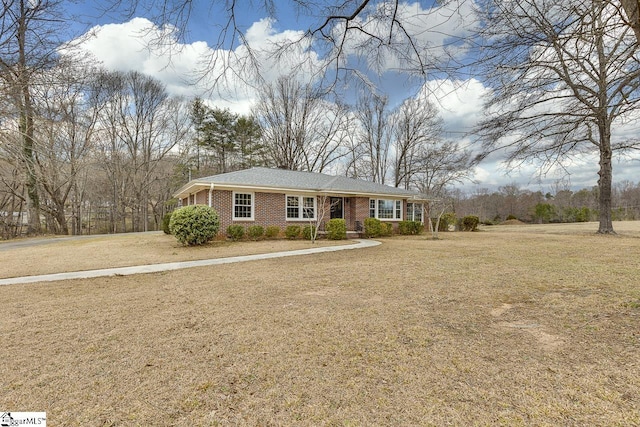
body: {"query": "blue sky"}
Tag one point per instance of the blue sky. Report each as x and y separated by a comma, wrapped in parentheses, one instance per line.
(120, 43)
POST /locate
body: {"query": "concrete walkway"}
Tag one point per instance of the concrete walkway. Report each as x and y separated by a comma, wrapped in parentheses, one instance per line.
(155, 268)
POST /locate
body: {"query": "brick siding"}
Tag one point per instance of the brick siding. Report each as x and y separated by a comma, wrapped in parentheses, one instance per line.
(270, 209)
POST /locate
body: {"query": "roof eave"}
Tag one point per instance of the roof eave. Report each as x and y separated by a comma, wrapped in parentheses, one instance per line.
(184, 191)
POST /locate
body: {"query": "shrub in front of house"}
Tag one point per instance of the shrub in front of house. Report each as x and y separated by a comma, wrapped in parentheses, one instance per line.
(255, 232)
(449, 219)
(336, 229)
(372, 227)
(194, 225)
(442, 226)
(386, 229)
(272, 232)
(292, 232)
(235, 232)
(166, 219)
(308, 232)
(410, 228)
(470, 223)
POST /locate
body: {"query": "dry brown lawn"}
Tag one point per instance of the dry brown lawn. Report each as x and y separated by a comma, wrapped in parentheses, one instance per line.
(125, 250)
(515, 325)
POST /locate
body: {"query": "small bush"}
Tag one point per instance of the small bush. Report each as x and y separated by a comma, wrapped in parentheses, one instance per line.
(255, 232)
(308, 232)
(272, 232)
(511, 216)
(372, 227)
(166, 219)
(336, 229)
(292, 232)
(470, 223)
(443, 226)
(386, 229)
(194, 225)
(411, 228)
(449, 219)
(235, 232)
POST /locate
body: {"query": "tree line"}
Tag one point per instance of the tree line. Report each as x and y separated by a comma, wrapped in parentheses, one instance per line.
(557, 206)
(103, 151)
(80, 146)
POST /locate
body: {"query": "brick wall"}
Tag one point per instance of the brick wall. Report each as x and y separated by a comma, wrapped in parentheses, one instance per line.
(270, 209)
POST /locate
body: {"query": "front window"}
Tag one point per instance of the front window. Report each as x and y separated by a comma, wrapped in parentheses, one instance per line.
(301, 208)
(414, 212)
(309, 207)
(385, 209)
(293, 207)
(243, 206)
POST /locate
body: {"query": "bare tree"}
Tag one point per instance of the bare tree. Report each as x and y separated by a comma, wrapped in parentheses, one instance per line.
(142, 125)
(374, 136)
(29, 34)
(300, 131)
(562, 74)
(442, 163)
(415, 124)
(66, 119)
(631, 8)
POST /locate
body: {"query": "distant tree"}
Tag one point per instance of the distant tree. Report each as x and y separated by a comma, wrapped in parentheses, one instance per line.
(140, 126)
(374, 136)
(251, 150)
(544, 212)
(417, 129)
(300, 130)
(67, 113)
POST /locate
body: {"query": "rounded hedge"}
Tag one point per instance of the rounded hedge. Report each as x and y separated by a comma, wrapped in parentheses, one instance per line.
(336, 229)
(194, 225)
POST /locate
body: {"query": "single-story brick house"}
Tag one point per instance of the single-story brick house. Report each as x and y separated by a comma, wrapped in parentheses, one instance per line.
(279, 197)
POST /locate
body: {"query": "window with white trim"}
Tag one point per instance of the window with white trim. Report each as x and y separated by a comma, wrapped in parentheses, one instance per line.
(414, 212)
(385, 209)
(301, 208)
(243, 206)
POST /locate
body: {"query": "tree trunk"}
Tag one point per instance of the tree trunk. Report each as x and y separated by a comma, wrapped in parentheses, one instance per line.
(26, 129)
(33, 199)
(604, 182)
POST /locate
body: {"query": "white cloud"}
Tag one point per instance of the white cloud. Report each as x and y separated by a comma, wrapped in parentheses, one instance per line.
(195, 69)
(460, 102)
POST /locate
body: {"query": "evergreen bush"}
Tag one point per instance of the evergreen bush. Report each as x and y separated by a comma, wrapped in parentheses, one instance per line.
(255, 232)
(235, 232)
(308, 232)
(336, 229)
(272, 232)
(372, 227)
(411, 228)
(386, 229)
(292, 232)
(166, 219)
(470, 223)
(194, 225)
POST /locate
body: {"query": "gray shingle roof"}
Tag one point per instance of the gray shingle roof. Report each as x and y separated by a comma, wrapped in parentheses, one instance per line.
(292, 180)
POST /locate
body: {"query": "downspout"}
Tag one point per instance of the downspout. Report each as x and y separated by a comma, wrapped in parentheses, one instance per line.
(211, 195)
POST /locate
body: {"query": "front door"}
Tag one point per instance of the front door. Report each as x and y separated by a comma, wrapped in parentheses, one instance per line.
(337, 207)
